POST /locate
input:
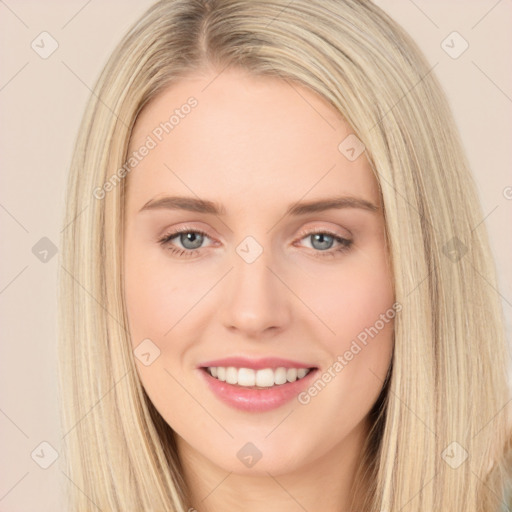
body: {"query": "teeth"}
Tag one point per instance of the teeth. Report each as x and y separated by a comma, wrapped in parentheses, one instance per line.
(291, 374)
(231, 375)
(280, 376)
(246, 377)
(264, 378)
(301, 372)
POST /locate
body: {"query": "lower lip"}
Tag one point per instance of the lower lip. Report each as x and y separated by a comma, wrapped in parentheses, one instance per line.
(256, 400)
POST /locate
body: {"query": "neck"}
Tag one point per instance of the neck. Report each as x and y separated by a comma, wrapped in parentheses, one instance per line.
(326, 483)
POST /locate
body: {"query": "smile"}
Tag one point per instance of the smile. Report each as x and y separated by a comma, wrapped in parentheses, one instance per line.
(256, 385)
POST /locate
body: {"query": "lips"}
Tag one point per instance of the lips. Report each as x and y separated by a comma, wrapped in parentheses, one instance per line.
(256, 385)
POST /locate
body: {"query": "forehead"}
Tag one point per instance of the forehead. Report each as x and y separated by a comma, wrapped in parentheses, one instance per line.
(244, 137)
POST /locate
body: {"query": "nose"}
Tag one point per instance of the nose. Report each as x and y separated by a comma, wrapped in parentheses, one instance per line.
(257, 303)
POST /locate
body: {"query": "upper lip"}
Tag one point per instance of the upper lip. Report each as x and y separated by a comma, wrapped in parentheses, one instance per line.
(255, 364)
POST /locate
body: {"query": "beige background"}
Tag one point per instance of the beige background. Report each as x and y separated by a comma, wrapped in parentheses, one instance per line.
(41, 102)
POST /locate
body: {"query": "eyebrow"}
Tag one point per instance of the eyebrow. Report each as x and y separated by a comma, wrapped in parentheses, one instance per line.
(193, 204)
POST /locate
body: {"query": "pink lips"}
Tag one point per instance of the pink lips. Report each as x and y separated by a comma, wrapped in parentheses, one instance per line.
(256, 364)
(250, 399)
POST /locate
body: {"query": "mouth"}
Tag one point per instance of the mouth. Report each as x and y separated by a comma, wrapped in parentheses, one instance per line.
(256, 385)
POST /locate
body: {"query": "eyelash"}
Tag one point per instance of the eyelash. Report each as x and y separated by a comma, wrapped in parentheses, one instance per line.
(344, 243)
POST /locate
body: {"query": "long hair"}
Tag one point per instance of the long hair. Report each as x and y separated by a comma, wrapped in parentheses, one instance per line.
(440, 429)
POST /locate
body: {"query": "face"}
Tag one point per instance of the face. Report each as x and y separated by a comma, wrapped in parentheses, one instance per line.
(257, 282)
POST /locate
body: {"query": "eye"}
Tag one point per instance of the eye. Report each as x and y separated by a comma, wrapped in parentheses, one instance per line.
(325, 243)
(184, 241)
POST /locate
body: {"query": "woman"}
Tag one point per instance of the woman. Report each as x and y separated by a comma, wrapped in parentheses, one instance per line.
(283, 300)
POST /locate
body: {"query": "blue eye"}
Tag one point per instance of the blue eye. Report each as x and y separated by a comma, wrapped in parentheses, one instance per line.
(189, 239)
(322, 242)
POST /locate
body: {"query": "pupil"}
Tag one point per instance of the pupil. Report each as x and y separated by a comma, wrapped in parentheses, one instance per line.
(321, 241)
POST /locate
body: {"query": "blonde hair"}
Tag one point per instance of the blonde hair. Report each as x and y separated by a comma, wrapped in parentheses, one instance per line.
(448, 378)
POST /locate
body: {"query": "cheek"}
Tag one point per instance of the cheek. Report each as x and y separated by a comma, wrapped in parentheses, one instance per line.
(158, 295)
(350, 297)
(356, 306)
(150, 304)
(365, 294)
(156, 301)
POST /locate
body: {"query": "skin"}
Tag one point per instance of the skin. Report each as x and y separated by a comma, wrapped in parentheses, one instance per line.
(255, 145)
